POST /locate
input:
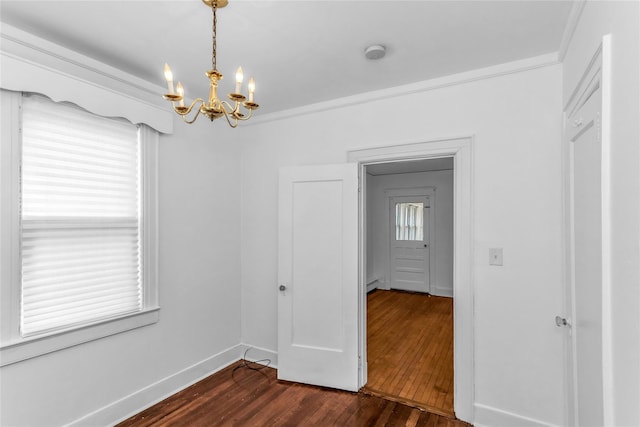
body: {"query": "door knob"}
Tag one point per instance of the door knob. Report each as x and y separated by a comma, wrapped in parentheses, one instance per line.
(561, 321)
(282, 287)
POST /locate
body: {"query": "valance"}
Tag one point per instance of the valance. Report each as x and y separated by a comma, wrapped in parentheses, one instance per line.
(31, 64)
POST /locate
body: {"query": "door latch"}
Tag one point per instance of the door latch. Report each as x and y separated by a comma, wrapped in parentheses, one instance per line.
(561, 321)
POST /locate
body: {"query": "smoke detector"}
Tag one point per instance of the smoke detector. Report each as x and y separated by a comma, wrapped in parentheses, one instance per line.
(375, 51)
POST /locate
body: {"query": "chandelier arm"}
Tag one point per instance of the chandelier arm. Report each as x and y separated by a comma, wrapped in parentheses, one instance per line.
(228, 107)
(184, 111)
(248, 116)
(233, 124)
(187, 121)
(184, 115)
(236, 109)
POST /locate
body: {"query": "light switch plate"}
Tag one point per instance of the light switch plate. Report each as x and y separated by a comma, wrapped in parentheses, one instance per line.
(495, 256)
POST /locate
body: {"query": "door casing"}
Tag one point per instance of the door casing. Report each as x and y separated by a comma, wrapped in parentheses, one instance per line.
(461, 149)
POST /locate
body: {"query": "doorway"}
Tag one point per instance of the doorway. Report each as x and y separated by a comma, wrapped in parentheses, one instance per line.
(460, 149)
(410, 331)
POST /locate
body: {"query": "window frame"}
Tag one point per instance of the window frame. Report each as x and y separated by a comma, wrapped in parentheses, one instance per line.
(14, 347)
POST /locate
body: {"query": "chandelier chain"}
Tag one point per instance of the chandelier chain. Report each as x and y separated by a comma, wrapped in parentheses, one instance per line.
(213, 38)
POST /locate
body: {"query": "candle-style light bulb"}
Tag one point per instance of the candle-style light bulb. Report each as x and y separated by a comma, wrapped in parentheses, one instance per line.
(239, 77)
(252, 88)
(169, 76)
(180, 91)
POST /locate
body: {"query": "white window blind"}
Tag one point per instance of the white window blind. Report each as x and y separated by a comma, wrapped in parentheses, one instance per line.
(80, 217)
(409, 221)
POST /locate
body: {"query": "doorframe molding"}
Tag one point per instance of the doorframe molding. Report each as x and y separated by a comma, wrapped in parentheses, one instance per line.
(461, 149)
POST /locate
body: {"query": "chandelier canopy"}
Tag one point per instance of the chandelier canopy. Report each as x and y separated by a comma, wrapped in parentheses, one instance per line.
(213, 107)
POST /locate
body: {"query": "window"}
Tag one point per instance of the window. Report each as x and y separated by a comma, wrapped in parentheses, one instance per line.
(84, 245)
(409, 221)
(80, 217)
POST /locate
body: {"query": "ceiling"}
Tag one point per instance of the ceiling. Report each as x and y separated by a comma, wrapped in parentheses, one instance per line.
(411, 166)
(299, 51)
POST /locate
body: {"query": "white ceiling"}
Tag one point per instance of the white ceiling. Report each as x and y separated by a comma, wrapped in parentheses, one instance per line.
(411, 166)
(300, 52)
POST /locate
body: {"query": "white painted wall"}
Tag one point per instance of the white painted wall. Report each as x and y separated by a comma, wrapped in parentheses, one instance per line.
(516, 120)
(622, 20)
(199, 279)
(442, 235)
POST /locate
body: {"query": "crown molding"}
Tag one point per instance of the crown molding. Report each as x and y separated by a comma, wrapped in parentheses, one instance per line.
(577, 7)
(412, 88)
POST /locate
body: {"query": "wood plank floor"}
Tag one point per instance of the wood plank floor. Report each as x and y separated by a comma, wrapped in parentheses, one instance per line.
(239, 396)
(410, 349)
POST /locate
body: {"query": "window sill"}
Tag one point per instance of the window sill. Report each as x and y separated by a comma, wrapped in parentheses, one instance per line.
(36, 346)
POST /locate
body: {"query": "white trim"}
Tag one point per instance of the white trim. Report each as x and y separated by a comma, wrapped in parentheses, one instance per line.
(487, 416)
(441, 292)
(28, 348)
(437, 83)
(150, 141)
(372, 284)
(461, 148)
(577, 7)
(607, 315)
(139, 400)
(9, 216)
(32, 64)
(570, 402)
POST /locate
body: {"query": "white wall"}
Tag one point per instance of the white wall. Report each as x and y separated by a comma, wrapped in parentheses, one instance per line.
(442, 235)
(516, 120)
(622, 20)
(199, 296)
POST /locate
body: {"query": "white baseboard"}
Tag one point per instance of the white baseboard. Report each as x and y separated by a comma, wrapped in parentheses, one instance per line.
(136, 402)
(442, 292)
(486, 416)
(374, 284)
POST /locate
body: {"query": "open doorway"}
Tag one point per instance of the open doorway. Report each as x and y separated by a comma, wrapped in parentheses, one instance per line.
(409, 259)
(461, 150)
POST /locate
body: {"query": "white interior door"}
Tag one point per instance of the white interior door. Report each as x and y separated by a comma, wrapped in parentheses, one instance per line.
(318, 276)
(409, 243)
(587, 211)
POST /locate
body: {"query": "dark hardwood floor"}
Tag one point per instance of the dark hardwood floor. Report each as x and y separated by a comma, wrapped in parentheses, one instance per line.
(239, 396)
(410, 349)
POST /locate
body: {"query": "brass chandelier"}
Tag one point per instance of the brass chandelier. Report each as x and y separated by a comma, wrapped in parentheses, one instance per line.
(214, 107)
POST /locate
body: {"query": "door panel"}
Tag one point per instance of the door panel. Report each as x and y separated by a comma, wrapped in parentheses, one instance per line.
(587, 230)
(318, 267)
(409, 243)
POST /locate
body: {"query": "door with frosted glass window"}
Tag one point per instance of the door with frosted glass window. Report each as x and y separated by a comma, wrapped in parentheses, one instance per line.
(409, 243)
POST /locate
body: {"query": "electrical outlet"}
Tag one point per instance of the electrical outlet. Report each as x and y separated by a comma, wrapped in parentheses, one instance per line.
(495, 256)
